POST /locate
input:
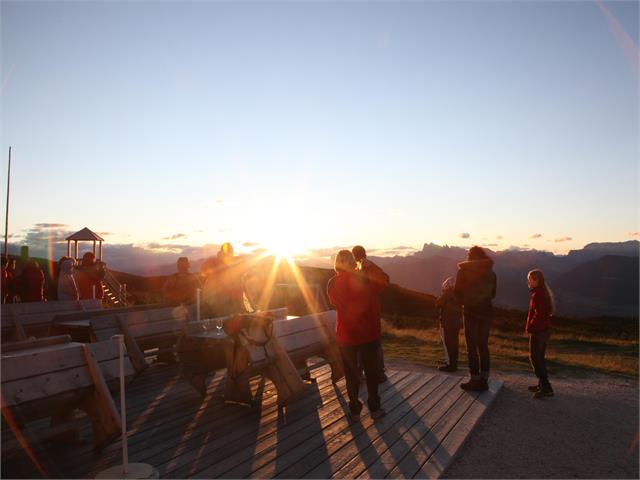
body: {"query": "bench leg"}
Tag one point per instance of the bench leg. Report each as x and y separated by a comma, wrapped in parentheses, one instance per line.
(237, 389)
(303, 369)
(197, 381)
(99, 405)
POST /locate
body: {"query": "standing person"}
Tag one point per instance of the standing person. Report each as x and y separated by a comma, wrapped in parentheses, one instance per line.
(475, 289)
(31, 283)
(5, 280)
(67, 287)
(10, 289)
(538, 327)
(181, 287)
(357, 332)
(378, 281)
(224, 285)
(90, 275)
(450, 325)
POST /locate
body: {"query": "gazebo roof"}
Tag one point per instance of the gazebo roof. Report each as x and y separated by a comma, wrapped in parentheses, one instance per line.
(85, 234)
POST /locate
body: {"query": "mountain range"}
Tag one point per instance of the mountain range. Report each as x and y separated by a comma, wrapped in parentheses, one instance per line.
(599, 279)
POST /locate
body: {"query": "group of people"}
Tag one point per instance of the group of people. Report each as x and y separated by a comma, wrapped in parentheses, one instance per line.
(71, 282)
(465, 302)
(221, 282)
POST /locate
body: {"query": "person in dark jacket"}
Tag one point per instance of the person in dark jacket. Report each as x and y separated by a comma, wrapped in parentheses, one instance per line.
(450, 325)
(378, 280)
(357, 332)
(89, 277)
(538, 327)
(31, 283)
(181, 288)
(475, 289)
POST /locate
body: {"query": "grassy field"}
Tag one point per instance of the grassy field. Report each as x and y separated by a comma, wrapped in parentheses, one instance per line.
(577, 346)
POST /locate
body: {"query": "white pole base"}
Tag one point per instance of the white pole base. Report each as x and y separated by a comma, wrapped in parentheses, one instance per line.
(135, 470)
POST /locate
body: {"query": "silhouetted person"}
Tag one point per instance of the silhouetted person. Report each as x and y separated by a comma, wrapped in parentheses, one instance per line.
(90, 275)
(538, 327)
(67, 286)
(9, 280)
(450, 317)
(182, 286)
(378, 281)
(357, 332)
(5, 279)
(223, 291)
(31, 283)
(475, 289)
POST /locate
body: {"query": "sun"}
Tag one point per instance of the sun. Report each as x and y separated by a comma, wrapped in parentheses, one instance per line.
(283, 246)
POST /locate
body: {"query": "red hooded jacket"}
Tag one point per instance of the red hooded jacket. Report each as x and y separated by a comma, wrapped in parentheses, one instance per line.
(351, 295)
(539, 317)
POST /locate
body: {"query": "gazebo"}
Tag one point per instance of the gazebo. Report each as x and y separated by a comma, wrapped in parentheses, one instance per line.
(85, 235)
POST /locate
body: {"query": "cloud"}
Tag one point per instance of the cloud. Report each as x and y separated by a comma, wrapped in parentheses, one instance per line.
(563, 239)
(490, 245)
(465, 235)
(634, 234)
(104, 234)
(250, 244)
(499, 237)
(50, 225)
(535, 235)
(167, 247)
(175, 236)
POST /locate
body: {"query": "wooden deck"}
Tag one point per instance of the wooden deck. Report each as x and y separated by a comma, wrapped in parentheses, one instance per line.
(172, 428)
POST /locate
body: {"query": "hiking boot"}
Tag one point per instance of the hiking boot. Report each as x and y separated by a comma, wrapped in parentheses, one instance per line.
(533, 388)
(475, 385)
(378, 414)
(544, 391)
(354, 417)
(448, 368)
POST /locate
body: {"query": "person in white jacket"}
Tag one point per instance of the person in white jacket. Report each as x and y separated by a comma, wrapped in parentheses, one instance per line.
(67, 287)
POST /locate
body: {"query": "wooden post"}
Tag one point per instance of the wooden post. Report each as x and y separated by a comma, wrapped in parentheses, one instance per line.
(135, 354)
(76, 241)
(68, 248)
(100, 251)
(94, 249)
(100, 406)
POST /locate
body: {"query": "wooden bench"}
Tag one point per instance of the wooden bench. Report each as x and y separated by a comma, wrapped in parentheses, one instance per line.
(51, 378)
(21, 320)
(278, 350)
(148, 331)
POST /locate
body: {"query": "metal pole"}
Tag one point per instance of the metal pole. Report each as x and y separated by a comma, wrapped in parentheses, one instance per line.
(6, 216)
(123, 409)
(198, 304)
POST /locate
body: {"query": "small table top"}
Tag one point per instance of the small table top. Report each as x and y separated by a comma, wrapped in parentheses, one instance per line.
(212, 335)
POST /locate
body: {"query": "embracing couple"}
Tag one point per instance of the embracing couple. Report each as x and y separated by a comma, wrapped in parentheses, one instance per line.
(355, 292)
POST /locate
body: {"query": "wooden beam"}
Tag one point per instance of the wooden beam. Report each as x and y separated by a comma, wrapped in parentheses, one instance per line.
(100, 406)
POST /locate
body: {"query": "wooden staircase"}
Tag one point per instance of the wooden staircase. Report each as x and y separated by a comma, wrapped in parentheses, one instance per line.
(115, 294)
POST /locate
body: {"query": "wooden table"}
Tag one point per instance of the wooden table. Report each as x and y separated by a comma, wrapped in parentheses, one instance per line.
(203, 352)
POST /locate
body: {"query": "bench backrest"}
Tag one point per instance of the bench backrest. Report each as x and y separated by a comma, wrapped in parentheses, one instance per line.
(65, 317)
(37, 373)
(36, 317)
(295, 334)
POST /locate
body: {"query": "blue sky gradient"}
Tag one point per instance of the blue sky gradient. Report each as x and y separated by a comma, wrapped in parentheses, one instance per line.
(330, 123)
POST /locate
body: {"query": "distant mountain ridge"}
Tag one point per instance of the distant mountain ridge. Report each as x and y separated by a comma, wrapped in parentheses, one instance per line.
(600, 279)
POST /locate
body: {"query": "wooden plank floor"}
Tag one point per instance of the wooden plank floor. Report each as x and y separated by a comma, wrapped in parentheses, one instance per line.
(172, 428)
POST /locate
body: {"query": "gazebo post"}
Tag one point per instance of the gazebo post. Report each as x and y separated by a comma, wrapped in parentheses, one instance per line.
(68, 248)
(100, 251)
(94, 249)
(76, 241)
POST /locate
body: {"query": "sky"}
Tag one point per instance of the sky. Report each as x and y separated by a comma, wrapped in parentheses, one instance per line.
(308, 125)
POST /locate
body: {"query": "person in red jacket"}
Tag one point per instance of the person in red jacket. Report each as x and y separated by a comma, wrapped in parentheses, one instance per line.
(31, 283)
(90, 275)
(378, 281)
(357, 332)
(538, 327)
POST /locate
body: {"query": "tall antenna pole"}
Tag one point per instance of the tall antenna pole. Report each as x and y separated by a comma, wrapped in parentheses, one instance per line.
(6, 216)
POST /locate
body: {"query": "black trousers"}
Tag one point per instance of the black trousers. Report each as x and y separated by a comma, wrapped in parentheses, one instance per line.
(368, 353)
(451, 344)
(537, 348)
(477, 323)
